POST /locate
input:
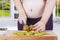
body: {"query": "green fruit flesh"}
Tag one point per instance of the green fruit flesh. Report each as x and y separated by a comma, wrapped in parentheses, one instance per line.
(26, 33)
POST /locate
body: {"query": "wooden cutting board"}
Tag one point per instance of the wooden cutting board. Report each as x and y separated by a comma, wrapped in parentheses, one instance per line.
(9, 36)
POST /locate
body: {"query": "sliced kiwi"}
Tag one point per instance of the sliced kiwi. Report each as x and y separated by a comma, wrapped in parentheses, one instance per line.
(30, 33)
(20, 33)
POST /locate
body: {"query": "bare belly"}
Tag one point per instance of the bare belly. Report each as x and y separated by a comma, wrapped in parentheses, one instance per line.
(33, 8)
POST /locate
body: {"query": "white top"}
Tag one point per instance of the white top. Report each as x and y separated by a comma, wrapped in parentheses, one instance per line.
(33, 8)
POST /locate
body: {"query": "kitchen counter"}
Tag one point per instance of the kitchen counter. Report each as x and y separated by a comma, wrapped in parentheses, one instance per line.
(9, 36)
(56, 29)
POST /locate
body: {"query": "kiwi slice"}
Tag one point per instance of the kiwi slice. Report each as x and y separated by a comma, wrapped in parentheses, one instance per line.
(30, 33)
(20, 33)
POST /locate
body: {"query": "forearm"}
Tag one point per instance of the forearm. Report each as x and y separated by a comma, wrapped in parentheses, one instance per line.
(20, 8)
(48, 10)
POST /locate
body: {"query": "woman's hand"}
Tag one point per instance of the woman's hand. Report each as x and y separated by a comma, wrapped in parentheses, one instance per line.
(22, 18)
(39, 26)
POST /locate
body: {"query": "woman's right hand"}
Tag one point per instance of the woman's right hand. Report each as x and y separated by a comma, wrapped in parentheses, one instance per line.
(22, 18)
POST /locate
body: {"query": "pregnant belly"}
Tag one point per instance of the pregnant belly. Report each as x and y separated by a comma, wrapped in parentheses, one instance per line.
(33, 8)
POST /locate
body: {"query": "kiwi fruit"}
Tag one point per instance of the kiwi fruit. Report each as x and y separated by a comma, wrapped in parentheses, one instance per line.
(31, 28)
(25, 28)
(28, 28)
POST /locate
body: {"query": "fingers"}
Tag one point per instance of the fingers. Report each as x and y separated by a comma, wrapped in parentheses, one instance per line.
(36, 27)
(20, 20)
(39, 28)
(42, 30)
(35, 24)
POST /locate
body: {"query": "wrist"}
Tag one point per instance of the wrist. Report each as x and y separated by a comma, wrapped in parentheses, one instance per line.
(43, 21)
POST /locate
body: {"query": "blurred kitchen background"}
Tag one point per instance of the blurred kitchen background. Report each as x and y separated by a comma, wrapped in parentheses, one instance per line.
(9, 15)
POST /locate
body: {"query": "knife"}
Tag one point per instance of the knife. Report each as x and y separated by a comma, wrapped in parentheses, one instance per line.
(22, 22)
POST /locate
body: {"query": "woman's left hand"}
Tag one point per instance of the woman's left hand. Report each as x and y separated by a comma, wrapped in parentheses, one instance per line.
(39, 26)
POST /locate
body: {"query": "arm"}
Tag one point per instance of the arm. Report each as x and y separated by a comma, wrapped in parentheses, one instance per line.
(22, 15)
(48, 10)
(40, 26)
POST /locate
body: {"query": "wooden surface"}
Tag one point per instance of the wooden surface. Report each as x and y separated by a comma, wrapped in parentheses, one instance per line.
(9, 36)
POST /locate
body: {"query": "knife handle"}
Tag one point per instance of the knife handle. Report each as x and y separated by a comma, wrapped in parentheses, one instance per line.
(22, 22)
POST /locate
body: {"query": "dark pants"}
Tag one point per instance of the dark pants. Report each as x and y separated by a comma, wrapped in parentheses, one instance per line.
(49, 25)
